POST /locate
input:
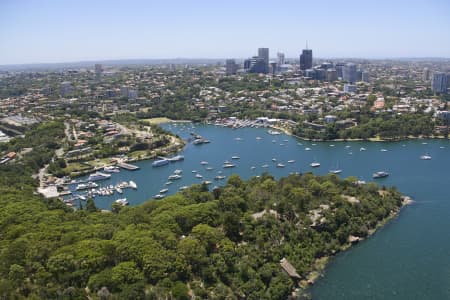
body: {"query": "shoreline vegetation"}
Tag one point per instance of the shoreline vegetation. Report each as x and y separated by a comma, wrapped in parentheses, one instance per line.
(321, 264)
(261, 238)
(257, 239)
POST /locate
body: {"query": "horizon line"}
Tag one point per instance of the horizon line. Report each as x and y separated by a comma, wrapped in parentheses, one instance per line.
(221, 59)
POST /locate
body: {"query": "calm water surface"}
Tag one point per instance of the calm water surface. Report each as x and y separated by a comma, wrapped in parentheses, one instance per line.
(407, 259)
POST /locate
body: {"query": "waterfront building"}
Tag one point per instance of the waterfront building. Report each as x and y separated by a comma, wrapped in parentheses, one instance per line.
(439, 82)
(349, 73)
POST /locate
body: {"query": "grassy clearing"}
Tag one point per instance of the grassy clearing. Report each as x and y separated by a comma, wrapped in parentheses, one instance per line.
(157, 120)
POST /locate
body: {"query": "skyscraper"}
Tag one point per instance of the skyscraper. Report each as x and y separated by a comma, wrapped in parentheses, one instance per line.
(231, 67)
(306, 59)
(280, 59)
(349, 73)
(264, 54)
(257, 64)
(426, 74)
(66, 88)
(439, 82)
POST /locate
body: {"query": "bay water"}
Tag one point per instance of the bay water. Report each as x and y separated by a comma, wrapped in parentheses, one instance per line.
(409, 258)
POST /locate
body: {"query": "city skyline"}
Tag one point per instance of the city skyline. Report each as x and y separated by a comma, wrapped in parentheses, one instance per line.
(54, 32)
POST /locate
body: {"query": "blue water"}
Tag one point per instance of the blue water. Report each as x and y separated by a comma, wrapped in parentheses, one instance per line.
(407, 259)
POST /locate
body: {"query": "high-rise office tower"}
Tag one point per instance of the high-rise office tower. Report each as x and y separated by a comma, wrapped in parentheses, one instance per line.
(349, 73)
(98, 68)
(231, 67)
(264, 54)
(273, 67)
(331, 75)
(257, 64)
(66, 88)
(306, 59)
(426, 74)
(365, 76)
(439, 82)
(280, 59)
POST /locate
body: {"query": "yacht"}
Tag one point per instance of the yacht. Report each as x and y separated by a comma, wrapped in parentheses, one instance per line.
(174, 177)
(85, 186)
(229, 165)
(203, 162)
(177, 172)
(380, 174)
(160, 162)
(235, 157)
(264, 166)
(280, 165)
(122, 201)
(158, 196)
(133, 184)
(163, 191)
(111, 169)
(315, 164)
(177, 158)
(219, 177)
(307, 149)
(98, 176)
(425, 157)
(383, 150)
(273, 132)
(258, 137)
(198, 175)
(337, 171)
(291, 161)
(118, 190)
(362, 149)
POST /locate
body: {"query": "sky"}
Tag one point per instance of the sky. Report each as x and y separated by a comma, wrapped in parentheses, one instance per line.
(48, 31)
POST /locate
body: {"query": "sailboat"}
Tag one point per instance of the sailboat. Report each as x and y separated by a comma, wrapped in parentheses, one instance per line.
(336, 170)
(315, 164)
(426, 156)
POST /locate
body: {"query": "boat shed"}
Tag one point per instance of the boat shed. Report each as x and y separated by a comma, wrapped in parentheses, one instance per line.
(289, 269)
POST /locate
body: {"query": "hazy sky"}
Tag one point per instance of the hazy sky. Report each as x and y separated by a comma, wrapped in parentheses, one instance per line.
(33, 31)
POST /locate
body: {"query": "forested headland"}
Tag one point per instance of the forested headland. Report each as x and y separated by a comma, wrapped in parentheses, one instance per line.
(220, 244)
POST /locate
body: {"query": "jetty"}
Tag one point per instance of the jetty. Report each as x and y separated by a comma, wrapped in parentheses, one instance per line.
(127, 166)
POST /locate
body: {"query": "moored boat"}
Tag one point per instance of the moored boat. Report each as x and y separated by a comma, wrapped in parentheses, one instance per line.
(98, 176)
(133, 184)
(380, 174)
(160, 162)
